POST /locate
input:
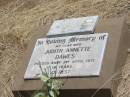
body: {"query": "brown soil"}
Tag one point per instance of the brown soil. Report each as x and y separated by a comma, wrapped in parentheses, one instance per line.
(18, 19)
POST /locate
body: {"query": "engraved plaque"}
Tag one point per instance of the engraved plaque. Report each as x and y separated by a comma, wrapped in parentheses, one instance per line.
(70, 56)
(74, 25)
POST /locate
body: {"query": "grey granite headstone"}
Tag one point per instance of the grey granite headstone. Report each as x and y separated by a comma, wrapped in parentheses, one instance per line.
(70, 56)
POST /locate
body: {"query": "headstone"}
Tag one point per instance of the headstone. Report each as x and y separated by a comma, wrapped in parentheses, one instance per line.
(114, 57)
(82, 25)
(79, 55)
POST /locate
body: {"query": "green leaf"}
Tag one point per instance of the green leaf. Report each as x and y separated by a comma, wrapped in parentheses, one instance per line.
(49, 84)
(40, 94)
(52, 93)
(57, 92)
(44, 78)
(57, 84)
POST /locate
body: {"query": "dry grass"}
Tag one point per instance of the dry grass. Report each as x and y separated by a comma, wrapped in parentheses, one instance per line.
(18, 18)
(124, 86)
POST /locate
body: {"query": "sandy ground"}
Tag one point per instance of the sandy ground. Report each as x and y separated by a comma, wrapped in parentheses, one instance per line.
(18, 19)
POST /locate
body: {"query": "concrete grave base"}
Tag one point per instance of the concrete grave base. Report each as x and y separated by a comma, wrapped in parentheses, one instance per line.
(114, 58)
(72, 93)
